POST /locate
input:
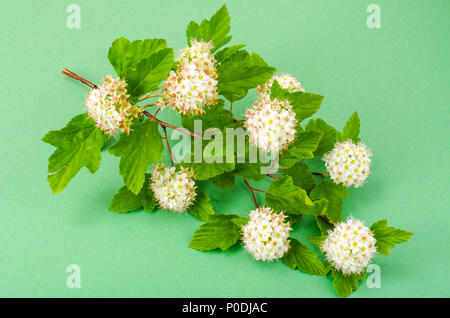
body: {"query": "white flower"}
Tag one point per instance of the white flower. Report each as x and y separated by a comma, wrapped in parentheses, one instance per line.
(349, 247)
(173, 190)
(194, 84)
(266, 234)
(271, 124)
(348, 163)
(108, 105)
(286, 81)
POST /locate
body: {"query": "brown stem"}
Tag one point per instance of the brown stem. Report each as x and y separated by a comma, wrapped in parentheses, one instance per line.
(326, 220)
(272, 176)
(168, 146)
(253, 193)
(79, 78)
(162, 123)
(231, 107)
(150, 94)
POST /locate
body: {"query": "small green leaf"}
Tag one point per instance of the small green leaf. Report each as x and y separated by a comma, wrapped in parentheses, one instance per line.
(215, 29)
(224, 181)
(329, 137)
(317, 240)
(218, 232)
(387, 237)
(228, 52)
(303, 104)
(137, 151)
(126, 201)
(125, 55)
(334, 193)
(78, 145)
(237, 76)
(302, 176)
(202, 208)
(301, 257)
(148, 73)
(351, 129)
(305, 144)
(345, 284)
(323, 226)
(214, 117)
(240, 222)
(283, 195)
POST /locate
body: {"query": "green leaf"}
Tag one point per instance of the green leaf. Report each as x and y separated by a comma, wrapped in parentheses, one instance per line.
(351, 129)
(303, 147)
(78, 145)
(323, 226)
(334, 193)
(305, 144)
(218, 232)
(301, 257)
(214, 117)
(287, 159)
(283, 195)
(224, 181)
(137, 151)
(148, 73)
(125, 55)
(345, 284)
(228, 52)
(238, 75)
(250, 171)
(329, 136)
(387, 237)
(303, 104)
(202, 208)
(240, 222)
(205, 171)
(215, 29)
(126, 201)
(302, 176)
(317, 240)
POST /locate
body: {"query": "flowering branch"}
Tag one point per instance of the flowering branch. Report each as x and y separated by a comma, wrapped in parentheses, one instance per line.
(79, 78)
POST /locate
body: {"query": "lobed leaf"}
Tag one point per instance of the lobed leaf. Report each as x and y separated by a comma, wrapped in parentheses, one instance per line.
(137, 151)
(78, 145)
(301, 257)
(202, 208)
(215, 29)
(219, 232)
(387, 237)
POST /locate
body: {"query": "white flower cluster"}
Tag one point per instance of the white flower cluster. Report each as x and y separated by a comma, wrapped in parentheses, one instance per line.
(108, 105)
(286, 81)
(266, 234)
(271, 124)
(348, 163)
(194, 84)
(349, 247)
(173, 190)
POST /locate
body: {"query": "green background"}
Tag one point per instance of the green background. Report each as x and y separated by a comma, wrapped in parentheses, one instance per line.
(397, 78)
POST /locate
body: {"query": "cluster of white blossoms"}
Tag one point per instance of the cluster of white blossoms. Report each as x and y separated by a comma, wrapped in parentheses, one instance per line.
(349, 247)
(348, 163)
(194, 84)
(108, 105)
(271, 124)
(266, 234)
(286, 81)
(173, 190)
